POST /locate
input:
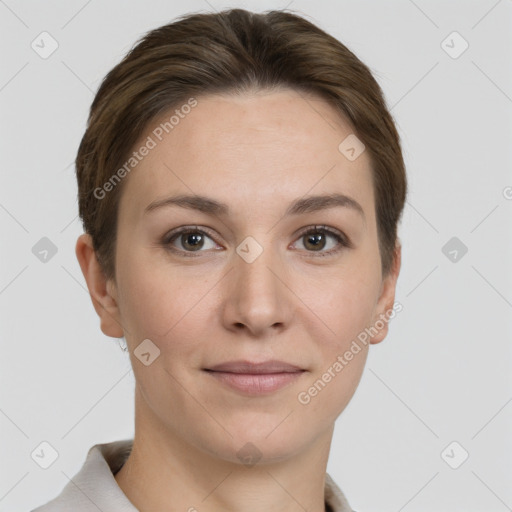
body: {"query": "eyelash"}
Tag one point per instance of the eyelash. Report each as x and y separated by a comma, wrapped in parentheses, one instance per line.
(337, 235)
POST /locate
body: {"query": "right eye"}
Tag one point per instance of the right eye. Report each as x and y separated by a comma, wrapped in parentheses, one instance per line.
(191, 239)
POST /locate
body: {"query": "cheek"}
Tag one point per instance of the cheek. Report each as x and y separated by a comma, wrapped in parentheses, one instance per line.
(328, 393)
(159, 302)
(346, 309)
(343, 306)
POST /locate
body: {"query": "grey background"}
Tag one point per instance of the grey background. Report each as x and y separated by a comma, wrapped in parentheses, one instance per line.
(444, 372)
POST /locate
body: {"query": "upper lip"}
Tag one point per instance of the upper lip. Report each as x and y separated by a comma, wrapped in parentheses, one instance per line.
(248, 367)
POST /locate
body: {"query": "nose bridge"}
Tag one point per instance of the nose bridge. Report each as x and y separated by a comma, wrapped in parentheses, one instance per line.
(254, 268)
(257, 296)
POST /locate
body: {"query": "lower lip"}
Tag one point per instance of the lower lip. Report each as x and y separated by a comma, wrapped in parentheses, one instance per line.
(256, 384)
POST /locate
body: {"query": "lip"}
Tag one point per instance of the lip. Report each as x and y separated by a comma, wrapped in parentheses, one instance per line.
(240, 366)
(255, 378)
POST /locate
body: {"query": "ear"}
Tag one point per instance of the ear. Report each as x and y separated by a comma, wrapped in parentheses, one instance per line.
(387, 297)
(102, 292)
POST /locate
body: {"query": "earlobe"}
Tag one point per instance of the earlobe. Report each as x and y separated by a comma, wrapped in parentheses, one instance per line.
(386, 299)
(100, 290)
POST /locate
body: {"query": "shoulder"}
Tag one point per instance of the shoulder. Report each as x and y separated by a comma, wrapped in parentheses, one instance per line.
(334, 497)
(94, 486)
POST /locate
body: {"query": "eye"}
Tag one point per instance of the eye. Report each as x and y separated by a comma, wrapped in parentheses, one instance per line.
(186, 241)
(189, 240)
(316, 239)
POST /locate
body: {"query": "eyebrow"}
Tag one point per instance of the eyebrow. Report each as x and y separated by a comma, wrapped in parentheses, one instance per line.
(300, 206)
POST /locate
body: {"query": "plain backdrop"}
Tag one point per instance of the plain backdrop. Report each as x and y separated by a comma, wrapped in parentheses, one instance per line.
(437, 390)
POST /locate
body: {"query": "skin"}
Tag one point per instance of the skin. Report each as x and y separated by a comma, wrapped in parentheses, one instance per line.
(256, 152)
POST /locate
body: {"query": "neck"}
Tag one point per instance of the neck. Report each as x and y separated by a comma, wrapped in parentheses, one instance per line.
(165, 472)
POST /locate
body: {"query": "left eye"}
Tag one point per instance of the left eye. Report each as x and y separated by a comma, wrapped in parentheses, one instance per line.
(316, 240)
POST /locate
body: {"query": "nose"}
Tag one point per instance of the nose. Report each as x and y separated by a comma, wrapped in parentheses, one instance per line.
(257, 296)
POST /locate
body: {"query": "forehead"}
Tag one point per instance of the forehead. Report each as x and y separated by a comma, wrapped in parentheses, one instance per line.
(264, 146)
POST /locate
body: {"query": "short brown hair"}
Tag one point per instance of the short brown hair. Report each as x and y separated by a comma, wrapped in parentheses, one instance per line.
(232, 51)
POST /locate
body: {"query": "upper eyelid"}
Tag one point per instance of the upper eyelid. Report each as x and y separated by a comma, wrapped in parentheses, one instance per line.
(184, 229)
(321, 227)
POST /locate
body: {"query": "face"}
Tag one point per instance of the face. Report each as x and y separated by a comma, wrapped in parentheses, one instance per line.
(261, 272)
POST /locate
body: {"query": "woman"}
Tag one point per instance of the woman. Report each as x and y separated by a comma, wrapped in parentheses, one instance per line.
(240, 185)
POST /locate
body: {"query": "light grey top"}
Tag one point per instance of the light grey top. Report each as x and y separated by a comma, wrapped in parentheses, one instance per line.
(94, 487)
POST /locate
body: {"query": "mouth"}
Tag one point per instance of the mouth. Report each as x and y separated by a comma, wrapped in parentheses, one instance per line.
(255, 378)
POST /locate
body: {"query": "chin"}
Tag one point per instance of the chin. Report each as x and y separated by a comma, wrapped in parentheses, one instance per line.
(263, 441)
